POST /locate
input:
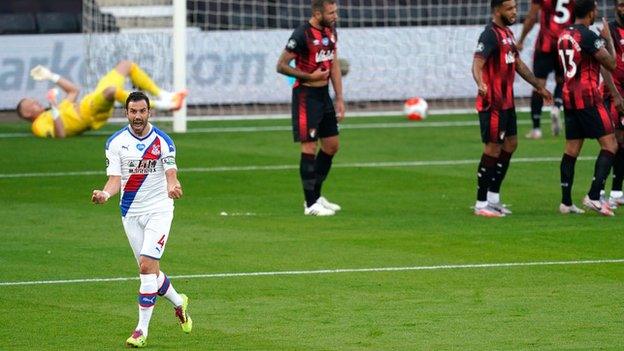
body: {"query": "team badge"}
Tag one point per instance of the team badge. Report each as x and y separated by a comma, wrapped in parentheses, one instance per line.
(292, 43)
(325, 41)
(140, 147)
(156, 150)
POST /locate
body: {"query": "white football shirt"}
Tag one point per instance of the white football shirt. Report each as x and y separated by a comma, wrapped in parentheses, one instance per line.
(141, 163)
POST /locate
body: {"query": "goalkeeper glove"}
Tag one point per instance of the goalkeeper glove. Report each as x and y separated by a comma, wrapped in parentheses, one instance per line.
(43, 73)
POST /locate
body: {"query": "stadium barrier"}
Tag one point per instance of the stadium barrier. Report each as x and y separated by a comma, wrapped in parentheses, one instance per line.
(231, 67)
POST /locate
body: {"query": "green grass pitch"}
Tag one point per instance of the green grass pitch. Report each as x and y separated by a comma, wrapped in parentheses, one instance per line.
(406, 191)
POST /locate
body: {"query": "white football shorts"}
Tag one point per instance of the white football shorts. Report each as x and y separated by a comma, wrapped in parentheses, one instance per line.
(148, 233)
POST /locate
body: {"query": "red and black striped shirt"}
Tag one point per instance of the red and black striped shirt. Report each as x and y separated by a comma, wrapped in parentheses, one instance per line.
(576, 48)
(497, 47)
(555, 15)
(617, 33)
(315, 48)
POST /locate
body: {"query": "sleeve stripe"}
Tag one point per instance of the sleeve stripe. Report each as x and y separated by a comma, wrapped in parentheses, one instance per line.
(114, 136)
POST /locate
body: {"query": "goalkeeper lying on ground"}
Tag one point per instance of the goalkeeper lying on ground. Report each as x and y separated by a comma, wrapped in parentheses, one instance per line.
(69, 118)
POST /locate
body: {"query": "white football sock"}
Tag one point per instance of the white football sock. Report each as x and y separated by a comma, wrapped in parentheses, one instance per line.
(493, 197)
(170, 294)
(165, 95)
(163, 102)
(147, 299)
(481, 204)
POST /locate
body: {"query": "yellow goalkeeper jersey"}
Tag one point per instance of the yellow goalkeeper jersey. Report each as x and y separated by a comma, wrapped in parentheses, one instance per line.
(43, 126)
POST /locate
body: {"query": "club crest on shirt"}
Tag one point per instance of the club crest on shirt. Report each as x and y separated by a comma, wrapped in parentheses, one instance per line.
(156, 150)
(140, 147)
(325, 41)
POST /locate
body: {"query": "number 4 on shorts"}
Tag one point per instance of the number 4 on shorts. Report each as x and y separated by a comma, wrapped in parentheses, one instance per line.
(161, 241)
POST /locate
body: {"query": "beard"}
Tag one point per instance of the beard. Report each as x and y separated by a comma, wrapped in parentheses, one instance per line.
(507, 21)
(326, 23)
(138, 125)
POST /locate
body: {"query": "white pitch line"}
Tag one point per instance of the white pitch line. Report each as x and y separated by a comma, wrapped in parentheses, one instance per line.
(385, 125)
(328, 271)
(296, 166)
(257, 129)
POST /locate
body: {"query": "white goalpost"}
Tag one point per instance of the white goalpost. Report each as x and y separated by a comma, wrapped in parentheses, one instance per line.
(179, 60)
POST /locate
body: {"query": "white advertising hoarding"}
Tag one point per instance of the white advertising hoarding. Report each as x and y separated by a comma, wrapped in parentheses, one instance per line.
(226, 67)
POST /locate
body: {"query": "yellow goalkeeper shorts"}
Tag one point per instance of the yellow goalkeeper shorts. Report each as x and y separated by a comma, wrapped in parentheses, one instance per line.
(95, 106)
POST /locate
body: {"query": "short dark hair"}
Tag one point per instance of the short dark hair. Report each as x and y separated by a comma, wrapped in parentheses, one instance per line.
(137, 96)
(319, 5)
(582, 8)
(18, 109)
(496, 3)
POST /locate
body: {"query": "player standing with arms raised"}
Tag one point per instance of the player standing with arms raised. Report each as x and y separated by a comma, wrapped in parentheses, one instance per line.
(141, 163)
(554, 16)
(495, 63)
(582, 53)
(313, 46)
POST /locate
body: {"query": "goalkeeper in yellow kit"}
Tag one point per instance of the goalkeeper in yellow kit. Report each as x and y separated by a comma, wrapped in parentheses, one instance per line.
(69, 117)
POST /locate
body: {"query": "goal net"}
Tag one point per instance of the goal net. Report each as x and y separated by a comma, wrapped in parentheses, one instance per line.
(395, 49)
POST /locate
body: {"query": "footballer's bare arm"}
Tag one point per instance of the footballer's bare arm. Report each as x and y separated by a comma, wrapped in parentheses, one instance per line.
(527, 75)
(112, 187)
(283, 67)
(477, 74)
(529, 22)
(174, 188)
